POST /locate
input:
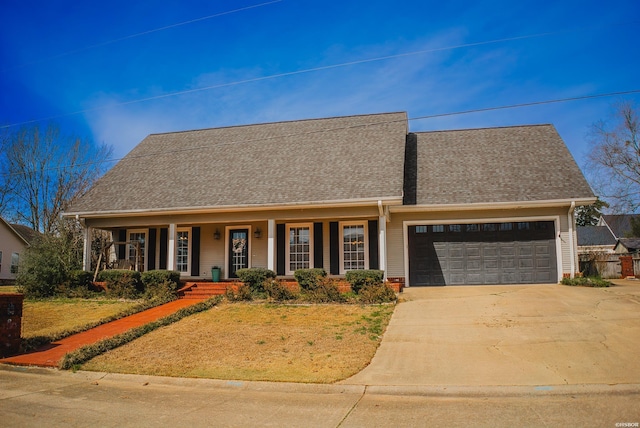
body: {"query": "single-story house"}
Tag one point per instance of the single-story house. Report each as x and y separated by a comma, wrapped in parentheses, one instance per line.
(14, 238)
(475, 206)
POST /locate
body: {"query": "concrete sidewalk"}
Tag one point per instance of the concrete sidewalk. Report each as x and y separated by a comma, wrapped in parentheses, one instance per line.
(51, 354)
(510, 335)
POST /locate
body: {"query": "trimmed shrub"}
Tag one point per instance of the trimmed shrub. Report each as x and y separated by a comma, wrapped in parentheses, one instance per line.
(80, 279)
(159, 283)
(278, 291)
(359, 278)
(308, 279)
(238, 293)
(326, 291)
(78, 284)
(586, 282)
(255, 277)
(120, 283)
(155, 277)
(377, 293)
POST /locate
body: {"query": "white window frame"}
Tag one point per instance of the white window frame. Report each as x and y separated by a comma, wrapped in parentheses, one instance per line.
(189, 239)
(288, 270)
(365, 225)
(146, 242)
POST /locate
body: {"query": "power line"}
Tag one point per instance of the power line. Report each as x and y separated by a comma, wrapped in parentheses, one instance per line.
(293, 73)
(142, 33)
(432, 116)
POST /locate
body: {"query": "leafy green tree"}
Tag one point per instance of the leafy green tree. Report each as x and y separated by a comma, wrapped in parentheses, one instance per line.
(588, 215)
(49, 261)
(635, 227)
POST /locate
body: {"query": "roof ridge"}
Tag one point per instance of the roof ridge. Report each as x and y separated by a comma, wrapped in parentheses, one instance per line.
(278, 122)
(484, 127)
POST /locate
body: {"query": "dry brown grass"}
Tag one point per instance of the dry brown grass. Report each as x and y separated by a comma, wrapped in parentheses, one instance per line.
(316, 343)
(49, 317)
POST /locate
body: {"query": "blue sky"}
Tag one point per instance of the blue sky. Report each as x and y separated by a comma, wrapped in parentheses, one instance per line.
(90, 65)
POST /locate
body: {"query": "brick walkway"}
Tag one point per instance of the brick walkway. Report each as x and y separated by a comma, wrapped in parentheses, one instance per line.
(49, 355)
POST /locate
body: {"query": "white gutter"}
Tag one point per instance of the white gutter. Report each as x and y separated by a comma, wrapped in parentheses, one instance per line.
(572, 254)
(492, 205)
(236, 208)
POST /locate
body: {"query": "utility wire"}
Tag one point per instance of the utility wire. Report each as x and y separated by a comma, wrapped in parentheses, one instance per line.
(131, 36)
(290, 73)
(412, 119)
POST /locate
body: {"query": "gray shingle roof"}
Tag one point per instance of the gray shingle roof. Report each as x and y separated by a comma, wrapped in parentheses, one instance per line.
(631, 244)
(28, 234)
(520, 163)
(595, 235)
(306, 161)
(620, 224)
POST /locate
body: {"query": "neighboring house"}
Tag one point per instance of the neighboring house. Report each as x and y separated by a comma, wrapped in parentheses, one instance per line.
(477, 206)
(618, 224)
(14, 239)
(595, 239)
(627, 245)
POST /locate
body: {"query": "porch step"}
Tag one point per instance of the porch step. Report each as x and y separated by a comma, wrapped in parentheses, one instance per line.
(203, 290)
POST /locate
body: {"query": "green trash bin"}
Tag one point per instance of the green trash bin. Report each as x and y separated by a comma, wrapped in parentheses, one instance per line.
(215, 274)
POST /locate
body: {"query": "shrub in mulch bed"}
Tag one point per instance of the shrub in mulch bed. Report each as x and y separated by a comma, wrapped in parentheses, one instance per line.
(88, 352)
(586, 282)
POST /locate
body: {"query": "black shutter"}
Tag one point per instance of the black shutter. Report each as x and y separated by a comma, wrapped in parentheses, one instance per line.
(334, 248)
(280, 246)
(374, 249)
(164, 234)
(318, 246)
(122, 248)
(151, 251)
(195, 251)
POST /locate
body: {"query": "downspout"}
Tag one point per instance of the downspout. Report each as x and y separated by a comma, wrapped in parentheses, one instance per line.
(382, 239)
(572, 253)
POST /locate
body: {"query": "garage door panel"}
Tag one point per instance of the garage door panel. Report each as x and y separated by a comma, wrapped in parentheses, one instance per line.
(473, 249)
(491, 264)
(497, 253)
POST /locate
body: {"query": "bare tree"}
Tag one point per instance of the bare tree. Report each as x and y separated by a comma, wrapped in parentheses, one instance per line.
(615, 159)
(42, 173)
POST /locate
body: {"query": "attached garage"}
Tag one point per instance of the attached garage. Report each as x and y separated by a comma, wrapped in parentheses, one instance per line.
(482, 253)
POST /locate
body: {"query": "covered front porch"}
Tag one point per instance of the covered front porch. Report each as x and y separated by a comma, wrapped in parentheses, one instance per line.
(284, 241)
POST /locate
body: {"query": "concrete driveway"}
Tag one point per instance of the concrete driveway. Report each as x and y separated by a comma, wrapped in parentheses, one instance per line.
(538, 335)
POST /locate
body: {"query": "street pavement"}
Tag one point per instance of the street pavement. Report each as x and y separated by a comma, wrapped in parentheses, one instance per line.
(453, 357)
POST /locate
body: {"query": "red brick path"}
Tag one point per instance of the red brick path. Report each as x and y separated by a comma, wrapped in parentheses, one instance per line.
(49, 355)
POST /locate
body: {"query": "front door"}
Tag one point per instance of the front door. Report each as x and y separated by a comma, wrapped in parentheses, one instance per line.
(238, 250)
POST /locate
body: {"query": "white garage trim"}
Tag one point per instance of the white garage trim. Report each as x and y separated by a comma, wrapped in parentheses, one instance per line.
(407, 223)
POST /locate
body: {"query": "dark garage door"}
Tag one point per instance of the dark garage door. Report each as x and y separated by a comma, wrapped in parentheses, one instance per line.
(488, 253)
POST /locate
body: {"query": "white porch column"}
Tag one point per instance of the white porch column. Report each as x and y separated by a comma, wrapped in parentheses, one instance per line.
(271, 244)
(171, 257)
(382, 243)
(86, 251)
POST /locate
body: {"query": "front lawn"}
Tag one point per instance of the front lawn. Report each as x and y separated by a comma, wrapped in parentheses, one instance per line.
(55, 316)
(242, 341)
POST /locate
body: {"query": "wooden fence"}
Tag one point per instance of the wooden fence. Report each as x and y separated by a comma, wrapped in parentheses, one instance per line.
(610, 266)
